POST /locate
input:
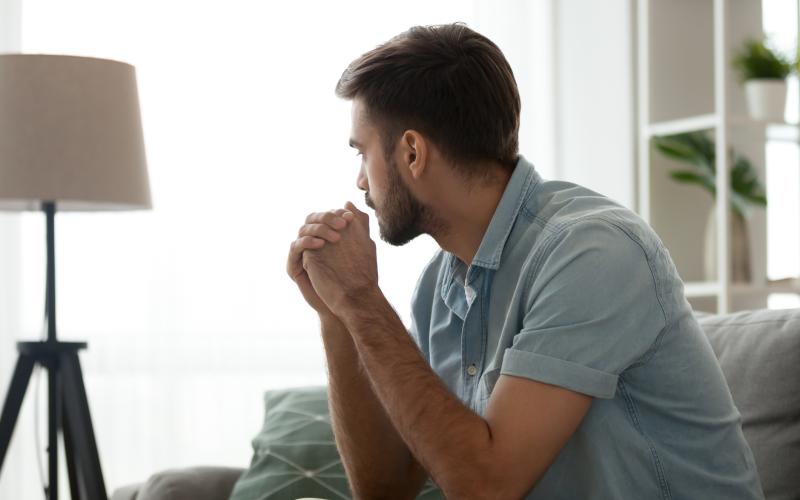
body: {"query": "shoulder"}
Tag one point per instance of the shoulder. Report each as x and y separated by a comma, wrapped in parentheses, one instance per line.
(605, 232)
(591, 253)
(569, 214)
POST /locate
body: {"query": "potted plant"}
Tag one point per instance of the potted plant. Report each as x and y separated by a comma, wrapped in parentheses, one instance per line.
(763, 72)
(697, 149)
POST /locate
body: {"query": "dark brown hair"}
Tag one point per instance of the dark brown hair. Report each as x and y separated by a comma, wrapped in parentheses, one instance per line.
(448, 82)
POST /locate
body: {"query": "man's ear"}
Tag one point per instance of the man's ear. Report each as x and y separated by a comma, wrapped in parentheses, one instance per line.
(415, 153)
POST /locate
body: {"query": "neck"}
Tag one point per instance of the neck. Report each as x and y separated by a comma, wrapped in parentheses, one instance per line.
(467, 214)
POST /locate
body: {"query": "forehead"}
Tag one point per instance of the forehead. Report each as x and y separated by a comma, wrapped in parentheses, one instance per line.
(361, 128)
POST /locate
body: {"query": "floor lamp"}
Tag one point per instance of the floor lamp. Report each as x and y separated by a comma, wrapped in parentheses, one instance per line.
(70, 140)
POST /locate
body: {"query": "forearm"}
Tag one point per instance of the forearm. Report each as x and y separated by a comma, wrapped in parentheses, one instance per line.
(377, 461)
(450, 441)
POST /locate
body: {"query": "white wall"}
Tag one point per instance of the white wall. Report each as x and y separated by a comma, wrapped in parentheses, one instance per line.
(17, 478)
(526, 40)
(10, 17)
(595, 96)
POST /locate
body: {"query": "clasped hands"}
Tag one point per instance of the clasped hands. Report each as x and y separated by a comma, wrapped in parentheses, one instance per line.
(333, 261)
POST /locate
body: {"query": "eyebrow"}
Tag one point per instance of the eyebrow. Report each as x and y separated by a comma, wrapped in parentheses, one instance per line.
(355, 144)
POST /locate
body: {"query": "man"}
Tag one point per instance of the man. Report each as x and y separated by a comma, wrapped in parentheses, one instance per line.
(552, 353)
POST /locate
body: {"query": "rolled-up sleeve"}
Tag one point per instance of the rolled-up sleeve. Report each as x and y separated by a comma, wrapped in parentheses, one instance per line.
(592, 311)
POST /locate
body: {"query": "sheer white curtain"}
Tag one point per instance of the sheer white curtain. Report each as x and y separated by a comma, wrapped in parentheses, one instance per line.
(21, 454)
(187, 310)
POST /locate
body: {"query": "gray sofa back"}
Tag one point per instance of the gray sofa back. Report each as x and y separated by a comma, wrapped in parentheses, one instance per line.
(759, 352)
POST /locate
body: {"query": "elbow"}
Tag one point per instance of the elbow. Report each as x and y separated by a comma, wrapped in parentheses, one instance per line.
(481, 482)
(394, 486)
(382, 492)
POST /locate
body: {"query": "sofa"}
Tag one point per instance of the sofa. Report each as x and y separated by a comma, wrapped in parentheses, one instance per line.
(759, 352)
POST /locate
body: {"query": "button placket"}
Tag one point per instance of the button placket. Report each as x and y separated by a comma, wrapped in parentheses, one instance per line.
(471, 332)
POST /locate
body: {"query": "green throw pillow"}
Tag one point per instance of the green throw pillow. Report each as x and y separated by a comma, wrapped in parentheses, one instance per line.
(295, 455)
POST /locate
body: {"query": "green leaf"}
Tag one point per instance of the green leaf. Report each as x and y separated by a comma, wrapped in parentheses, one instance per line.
(689, 148)
(698, 150)
(688, 177)
(756, 59)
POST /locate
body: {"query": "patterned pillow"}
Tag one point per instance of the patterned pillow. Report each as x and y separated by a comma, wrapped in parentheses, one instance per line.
(295, 455)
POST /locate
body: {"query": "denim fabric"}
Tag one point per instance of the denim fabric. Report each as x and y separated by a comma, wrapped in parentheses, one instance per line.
(569, 288)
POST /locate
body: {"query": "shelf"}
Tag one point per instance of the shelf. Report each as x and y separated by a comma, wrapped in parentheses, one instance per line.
(788, 285)
(673, 98)
(698, 289)
(701, 289)
(776, 131)
(691, 124)
(785, 132)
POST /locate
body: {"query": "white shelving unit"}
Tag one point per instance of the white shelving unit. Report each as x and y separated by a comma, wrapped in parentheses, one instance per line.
(722, 121)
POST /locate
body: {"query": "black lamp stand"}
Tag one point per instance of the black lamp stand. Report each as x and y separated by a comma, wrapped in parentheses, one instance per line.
(68, 407)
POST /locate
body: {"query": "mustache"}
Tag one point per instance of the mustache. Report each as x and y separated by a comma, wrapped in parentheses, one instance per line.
(368, 201)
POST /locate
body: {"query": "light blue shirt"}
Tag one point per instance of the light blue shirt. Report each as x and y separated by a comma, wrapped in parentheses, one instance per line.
(569, 288)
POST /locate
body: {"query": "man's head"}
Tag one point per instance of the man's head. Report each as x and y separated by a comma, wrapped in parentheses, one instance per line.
(431, 93)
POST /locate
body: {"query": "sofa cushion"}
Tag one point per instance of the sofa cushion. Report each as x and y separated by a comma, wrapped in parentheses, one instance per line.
(295, 454)
(195, 483)
(759, 352)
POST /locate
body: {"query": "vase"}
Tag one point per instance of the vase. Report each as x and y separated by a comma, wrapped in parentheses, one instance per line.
(740, 248)
(766, 99)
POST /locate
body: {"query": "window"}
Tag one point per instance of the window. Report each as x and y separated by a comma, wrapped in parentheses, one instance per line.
(783, 164)
(187, 309)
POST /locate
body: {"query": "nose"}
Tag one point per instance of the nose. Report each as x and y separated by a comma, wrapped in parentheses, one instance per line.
(361, 180)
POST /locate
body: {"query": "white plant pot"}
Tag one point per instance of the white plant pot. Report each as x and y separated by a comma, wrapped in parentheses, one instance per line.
(766, 99)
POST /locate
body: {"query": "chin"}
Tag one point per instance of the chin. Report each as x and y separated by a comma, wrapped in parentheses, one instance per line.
(397, 238)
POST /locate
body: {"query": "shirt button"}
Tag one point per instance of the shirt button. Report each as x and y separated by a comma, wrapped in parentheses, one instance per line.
(472, 370)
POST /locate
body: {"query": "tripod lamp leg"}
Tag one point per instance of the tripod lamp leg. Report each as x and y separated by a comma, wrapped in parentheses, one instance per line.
(13, 404)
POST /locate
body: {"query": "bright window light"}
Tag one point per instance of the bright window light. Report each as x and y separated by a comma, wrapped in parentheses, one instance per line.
(187, 309)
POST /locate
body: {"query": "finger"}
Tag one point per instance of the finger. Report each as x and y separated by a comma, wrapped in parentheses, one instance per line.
(308, 242)
(354, 209)
(345, 214)
(351, 207)
(335, 218)
(331, 218)
(294, 264)
(319, 231)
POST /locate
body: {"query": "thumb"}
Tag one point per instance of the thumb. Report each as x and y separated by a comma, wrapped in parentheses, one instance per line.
(350, 206)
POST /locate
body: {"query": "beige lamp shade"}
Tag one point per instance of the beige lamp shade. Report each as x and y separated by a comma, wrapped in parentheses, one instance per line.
(70, 133)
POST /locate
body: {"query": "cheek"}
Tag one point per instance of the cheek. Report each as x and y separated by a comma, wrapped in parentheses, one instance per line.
(376, 180)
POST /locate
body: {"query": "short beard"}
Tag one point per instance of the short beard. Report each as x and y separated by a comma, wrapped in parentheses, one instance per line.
(403, 216)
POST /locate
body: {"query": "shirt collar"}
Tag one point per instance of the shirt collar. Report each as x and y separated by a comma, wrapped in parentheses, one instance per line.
(494, 240)
(522, 181)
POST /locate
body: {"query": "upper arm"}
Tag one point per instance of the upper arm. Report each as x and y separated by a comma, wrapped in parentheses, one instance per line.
(530, 423)
(593, 312)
